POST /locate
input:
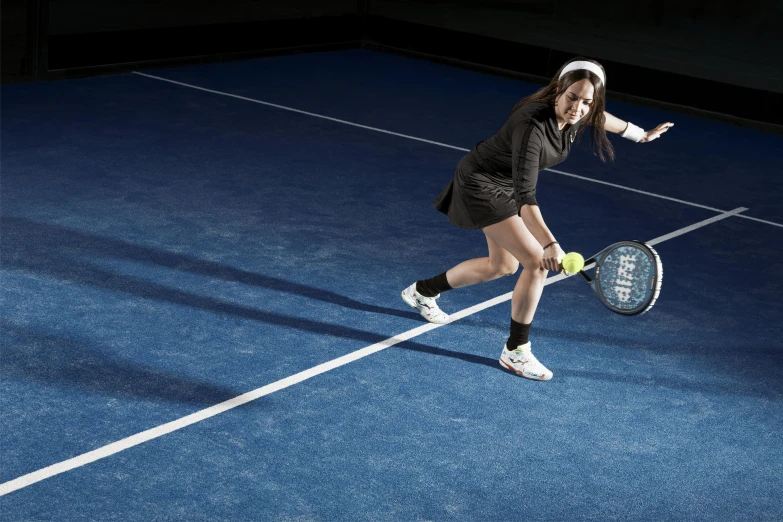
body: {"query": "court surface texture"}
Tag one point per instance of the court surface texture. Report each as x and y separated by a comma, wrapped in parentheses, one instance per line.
(201, 314)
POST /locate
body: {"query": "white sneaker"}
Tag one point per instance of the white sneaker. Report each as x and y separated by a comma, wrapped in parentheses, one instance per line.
(524, 363)
(426, 306)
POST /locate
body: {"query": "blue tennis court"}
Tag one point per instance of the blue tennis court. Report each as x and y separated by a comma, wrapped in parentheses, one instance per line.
(176, 239)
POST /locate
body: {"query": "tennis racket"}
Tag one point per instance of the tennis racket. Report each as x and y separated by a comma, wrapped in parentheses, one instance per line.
(627, 277)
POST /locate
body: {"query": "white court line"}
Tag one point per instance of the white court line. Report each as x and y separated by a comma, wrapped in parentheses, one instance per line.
(634, 190)
(163, 429)
(300, 111)
(761, 221)
(700, 224)
(376, 129)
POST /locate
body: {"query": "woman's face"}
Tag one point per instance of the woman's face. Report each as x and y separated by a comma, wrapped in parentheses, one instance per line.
(574, 104)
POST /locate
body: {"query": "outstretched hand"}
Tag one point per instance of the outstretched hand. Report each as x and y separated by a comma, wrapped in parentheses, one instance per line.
(656, 132)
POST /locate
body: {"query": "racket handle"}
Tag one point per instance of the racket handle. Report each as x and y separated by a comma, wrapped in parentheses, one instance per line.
(583, 273)
(585, 276)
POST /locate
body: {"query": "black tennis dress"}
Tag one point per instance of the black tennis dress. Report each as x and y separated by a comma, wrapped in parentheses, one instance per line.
(499, 175)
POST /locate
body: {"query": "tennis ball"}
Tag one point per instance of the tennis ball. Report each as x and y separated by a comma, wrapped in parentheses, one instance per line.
(573, 262)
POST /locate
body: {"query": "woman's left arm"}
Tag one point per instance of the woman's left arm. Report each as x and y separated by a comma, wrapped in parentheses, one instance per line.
(631, 131)
(534, 221)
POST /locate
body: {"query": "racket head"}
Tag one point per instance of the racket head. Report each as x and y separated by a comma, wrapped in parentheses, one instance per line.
(628, 277)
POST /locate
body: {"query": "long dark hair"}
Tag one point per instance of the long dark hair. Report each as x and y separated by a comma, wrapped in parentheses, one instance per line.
(599, 143)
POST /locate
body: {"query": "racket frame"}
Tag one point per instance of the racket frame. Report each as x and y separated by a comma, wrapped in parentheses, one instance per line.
(598, 260)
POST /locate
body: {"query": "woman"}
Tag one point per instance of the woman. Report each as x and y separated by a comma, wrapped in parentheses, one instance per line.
(494, 189)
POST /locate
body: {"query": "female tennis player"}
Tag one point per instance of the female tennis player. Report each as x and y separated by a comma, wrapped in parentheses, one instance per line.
(494, 189)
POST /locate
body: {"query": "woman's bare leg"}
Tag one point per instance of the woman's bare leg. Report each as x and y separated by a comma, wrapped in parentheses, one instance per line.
(509, 243)
(499, 263)
(514, 237)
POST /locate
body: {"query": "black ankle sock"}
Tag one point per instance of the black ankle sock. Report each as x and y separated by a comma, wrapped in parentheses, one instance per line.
(519, 335)
(434, 286)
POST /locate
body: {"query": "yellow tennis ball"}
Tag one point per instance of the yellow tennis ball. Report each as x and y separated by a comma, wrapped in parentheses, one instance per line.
(573, 262)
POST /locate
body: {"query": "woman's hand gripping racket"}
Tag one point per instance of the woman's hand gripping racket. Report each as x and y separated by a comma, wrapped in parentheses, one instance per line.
(627, 278)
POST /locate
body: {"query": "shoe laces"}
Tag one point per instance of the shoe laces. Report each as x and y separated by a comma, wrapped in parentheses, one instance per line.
(524, 356)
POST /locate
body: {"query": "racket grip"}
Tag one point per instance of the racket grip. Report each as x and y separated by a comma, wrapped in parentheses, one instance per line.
(583, 273)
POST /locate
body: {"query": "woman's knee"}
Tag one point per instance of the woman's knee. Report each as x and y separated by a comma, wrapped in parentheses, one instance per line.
(535, 263)
(502, 266)
(507, 268)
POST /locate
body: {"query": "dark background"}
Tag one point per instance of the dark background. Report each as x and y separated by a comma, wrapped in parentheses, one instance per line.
(717, 59)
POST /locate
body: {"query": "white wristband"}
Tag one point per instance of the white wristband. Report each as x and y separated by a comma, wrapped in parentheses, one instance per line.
(632, 132)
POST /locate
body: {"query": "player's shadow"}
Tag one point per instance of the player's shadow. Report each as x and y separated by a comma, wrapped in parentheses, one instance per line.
(64, 253)
(442, 352)
(57, 360)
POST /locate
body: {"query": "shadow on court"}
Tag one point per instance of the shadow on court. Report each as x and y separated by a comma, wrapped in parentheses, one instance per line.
(60, 361)
(441, 352)
(63, 253)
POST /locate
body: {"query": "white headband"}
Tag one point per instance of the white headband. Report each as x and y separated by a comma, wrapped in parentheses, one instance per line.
(590, 66)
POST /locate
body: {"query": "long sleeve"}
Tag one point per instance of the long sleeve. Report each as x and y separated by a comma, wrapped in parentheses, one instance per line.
(526, 145)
